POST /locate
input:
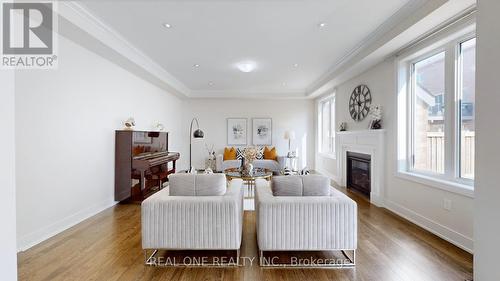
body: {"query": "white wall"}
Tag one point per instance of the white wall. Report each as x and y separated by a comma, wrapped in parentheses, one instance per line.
(65, 123)
(487, 207)
(417, 202)
(294, 115)
(381, 79)
(8, 259)
(327, 166)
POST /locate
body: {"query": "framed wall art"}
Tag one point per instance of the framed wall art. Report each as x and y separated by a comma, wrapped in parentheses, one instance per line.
(236, 131)
(262, 131)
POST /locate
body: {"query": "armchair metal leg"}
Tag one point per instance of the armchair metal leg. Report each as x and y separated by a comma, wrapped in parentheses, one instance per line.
(150, 260)
(353, 260)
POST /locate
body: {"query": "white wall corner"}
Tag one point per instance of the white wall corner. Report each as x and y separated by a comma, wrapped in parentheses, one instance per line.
(40, 235)
(8, 259)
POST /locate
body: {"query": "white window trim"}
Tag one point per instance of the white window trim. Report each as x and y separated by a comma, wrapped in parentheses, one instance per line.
(451, 186)
(447, 41)
(332, 155)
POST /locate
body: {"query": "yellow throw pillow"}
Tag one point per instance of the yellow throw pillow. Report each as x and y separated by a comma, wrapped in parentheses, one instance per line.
(229, 153)
(270, 154)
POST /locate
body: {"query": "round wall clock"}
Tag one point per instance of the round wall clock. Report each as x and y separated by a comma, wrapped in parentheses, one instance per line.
(359, 103)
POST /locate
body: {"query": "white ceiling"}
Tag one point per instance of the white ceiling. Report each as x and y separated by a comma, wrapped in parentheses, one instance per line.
(218, 34)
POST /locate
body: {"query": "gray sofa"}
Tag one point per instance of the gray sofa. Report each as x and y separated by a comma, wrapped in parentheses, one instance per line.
(275, 166)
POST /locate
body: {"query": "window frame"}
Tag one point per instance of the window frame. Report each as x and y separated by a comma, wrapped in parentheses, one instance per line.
(329, 98)
(451, 179)
(458, 108)
(411, 113)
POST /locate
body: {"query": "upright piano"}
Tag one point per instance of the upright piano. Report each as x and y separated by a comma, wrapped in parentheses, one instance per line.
(142, 164)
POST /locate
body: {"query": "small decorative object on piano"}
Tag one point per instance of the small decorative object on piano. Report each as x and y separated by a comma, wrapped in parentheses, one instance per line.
(159, 127)
(208, 171)
(129, 124)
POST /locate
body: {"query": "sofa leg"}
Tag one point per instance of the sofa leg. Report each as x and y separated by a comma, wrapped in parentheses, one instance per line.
(351, 260)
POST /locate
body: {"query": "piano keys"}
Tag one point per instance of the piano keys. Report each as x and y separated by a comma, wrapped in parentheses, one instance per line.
(145, 162)
(142, 164)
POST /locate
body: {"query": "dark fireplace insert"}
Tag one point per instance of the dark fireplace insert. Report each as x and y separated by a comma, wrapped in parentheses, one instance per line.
(358, 172)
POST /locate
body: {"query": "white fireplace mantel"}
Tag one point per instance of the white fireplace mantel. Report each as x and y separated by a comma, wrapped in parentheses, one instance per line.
(369, 142)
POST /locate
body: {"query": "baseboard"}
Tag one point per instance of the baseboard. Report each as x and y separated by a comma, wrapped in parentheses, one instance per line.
(457, 239)
(38, 236)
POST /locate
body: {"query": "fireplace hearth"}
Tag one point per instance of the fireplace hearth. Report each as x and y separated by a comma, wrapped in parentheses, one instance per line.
(358, 172)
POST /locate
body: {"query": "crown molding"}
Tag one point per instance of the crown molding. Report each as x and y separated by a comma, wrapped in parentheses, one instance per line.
(249, 94)
(97, 28)
(82, 18)
(359, 58)
(403, 19)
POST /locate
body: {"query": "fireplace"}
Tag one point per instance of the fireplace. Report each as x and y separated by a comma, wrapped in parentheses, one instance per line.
(358, 172)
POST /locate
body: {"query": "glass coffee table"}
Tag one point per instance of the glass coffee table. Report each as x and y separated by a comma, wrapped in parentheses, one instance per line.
(249, 180)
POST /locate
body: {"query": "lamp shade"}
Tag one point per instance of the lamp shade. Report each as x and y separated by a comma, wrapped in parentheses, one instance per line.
(198, 134)
(289, 135)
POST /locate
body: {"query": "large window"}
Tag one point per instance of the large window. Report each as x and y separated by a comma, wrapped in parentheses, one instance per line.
(326, 125)
(428, 114)
(436, 112)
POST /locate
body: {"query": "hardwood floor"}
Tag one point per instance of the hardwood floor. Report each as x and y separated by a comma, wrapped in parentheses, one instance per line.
(108, 247)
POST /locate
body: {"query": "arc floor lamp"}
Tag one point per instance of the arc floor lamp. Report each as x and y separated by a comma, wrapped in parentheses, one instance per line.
(197, 134)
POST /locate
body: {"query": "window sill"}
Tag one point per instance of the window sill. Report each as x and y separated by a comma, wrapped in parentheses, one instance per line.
(450, 186)
(327, 155)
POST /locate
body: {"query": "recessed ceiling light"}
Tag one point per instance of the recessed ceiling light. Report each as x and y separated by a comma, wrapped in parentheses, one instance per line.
(321, 24)
(295, 65)
(246, 66)
(210, 83)
(283, 84)
(196, 65)
(167, 25)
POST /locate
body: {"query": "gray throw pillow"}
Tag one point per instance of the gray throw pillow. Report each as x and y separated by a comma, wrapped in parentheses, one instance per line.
(197, 184)
(310, 185)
